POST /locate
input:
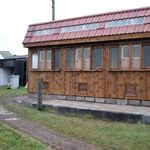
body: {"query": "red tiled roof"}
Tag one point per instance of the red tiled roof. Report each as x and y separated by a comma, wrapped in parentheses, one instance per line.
(101, 19)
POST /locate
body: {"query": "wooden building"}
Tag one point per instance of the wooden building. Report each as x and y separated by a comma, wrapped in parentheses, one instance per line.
(102, 58)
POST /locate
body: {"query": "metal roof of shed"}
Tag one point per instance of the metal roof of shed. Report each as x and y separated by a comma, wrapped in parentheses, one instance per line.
(100, 31)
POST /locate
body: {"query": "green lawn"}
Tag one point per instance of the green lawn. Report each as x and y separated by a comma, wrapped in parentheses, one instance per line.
(103, 134)
(5, 93)
(10, 139)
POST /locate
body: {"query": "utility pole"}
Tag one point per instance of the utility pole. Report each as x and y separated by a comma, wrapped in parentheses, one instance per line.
(53, 10)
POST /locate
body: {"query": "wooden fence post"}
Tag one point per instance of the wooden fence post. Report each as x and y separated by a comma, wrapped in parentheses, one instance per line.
(39, 93)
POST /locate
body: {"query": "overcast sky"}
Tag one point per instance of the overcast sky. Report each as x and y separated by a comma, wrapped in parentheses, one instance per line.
(16, 15)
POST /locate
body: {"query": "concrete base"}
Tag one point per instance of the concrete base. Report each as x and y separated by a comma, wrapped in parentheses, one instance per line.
(93, 99)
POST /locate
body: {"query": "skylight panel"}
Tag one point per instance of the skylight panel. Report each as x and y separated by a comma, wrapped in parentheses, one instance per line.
(43, 32)
(125, 22)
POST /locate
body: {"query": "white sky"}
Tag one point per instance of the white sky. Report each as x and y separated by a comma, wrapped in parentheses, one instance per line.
(16, 15)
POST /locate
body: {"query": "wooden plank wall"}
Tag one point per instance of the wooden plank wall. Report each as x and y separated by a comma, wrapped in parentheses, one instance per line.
(109, 84)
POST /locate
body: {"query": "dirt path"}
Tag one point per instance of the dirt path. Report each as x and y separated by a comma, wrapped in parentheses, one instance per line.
(44, 135)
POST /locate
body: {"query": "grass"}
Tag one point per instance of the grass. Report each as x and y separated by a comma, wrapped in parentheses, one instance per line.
(108, 135)
(10, 139)
(5, 93)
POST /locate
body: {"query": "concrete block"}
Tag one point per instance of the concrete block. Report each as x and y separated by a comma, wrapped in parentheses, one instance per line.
(72, 98)
(53, 97)
(79, 98)
(146, 119)
(61, 97)
(45, 96)
(111, 101)
(134, 102)
(122, 101)
(145, 103)
(89, 99)
(100, 100)
(32, 95)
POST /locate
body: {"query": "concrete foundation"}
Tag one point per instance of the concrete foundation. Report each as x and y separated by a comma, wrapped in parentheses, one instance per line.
(61, 97)
(111, 101)
(72, 98)
(89, 99)
(135, 102)
(122, 101)
(79, 98)
(145, 103)
(100, 100)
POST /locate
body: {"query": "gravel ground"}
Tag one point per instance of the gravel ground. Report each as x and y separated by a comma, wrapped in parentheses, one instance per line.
(40, 133)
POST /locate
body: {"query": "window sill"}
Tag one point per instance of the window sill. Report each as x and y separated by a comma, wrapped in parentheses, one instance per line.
(84, 70)
(44, 70)
(121, 70)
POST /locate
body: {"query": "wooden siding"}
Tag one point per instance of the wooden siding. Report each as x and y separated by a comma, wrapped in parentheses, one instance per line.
(106, 82)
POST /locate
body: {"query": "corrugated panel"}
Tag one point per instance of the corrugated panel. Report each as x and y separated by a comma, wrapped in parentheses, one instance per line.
(58, 24)
(85, 34)
(56, 30)
(33, 39)
(92, 33)
(48, 25)
(72, 35)
(99, 32)
(54, 37)
(78, 34)
(95, 19)
(53, 25)
(89, 20)
(101, 25)
(38, 39)
(82, 20)
(60, 36)
(147, 12)
(70, 22)
(49, 37)
(44, 38)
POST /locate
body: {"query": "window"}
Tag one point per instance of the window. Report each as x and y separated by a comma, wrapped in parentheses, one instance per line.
(97, 57)
(87, 58)
(35, 60)
(114, 57)
(48, 59)
(125, 57)
(146, 55)
(78, 58)
(56, 59)
(70, 58)
(136, 56)
(41, 65)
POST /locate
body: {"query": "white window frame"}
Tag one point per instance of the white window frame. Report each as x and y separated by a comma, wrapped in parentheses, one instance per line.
(84, 52)
(122, 51)
(140, 51)
(77, 49)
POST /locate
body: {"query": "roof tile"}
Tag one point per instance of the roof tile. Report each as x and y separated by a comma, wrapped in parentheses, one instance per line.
(130, 29)
(78, 34)
(49, 37)
(72, 35)
(54, 37)
(101, 25)
(76, 22)
(92, 33)
(64, 23)
(56, 30)
(114, 30)
(102, 18)
(66, 36)
(26, 40)
(38, 27)
(70, 22)
(58, 24)
(106, 31)
(48, 25)
(110, 17)
(60, 36)
(82, 20)
(43, 26)
(95, 19)
(89, 20)
(99, 32)
(53, 25)
(33, 39)
(43, 38)
(147, 19)
(85, 34)
(147, 12)
(38, 39)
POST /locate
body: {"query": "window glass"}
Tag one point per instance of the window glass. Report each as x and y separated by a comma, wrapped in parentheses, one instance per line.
(70, 58)
(56, 59)
(87, 58)
(146, 50)
(35, 60)
(78, 58)
(97, 57)
(48, 59)
(114, 57)
(125, 57)
(41, 66)
(136, 56)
